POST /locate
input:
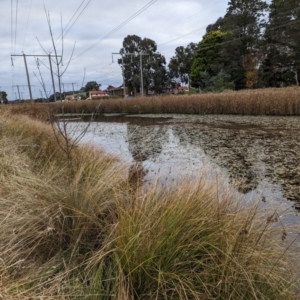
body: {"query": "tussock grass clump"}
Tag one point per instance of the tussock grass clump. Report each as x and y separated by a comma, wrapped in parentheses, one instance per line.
(52, 212)
(184, 244)
(79, 231)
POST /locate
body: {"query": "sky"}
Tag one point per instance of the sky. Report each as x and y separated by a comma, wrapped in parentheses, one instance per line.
(92, 30)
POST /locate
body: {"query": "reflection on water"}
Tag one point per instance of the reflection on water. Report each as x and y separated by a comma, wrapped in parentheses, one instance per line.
(146, 142)
(255, 154)
(251, 149)
(136, 175)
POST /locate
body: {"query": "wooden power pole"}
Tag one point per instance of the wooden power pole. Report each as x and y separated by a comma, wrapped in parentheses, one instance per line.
(27, 74)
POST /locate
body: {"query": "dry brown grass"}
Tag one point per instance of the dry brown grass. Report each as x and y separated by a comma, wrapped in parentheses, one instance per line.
(283, 102)
(82, 233)
(246, 102)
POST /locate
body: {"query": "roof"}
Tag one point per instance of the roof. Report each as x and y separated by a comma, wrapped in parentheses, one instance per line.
(182, 88)
(96, 93)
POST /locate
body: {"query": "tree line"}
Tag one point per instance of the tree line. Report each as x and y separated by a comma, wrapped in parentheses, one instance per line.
(254, 45)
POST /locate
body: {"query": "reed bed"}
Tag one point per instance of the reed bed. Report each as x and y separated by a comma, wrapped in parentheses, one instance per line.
(280, 101)
(80, 230)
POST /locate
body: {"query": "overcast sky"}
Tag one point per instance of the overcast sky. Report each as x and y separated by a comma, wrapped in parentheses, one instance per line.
(98, 27)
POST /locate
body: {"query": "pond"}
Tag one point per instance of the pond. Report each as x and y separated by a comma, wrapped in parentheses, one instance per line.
(255, 156)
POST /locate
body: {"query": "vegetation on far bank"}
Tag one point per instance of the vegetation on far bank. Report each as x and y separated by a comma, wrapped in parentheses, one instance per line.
(280, 102)
(74, 227)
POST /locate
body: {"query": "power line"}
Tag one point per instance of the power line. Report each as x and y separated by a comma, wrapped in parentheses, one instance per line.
(236, 39)
(136, 13)
(118, 27)
(27, 73)
(192, 32)
(11, 25)
(27, 23)
(234, 30)
(16, 26)
(76, 18)
(177, 38)
(63, 32)
(188, 17)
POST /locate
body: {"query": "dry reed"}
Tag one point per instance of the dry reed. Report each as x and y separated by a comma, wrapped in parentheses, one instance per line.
(280, 101)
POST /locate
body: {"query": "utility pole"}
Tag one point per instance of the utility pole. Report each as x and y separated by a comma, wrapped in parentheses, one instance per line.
(18, 88)
(19, 92)
(51, 71)
(141, 54)
(27, 74)
(64, 90)
(72, 83)
(28, 81)
(141, 67)
(123, 75)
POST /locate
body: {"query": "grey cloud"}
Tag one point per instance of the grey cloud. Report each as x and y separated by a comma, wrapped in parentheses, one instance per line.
(163, 21)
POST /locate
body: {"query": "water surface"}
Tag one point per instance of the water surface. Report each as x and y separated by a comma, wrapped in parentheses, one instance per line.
(255, 156)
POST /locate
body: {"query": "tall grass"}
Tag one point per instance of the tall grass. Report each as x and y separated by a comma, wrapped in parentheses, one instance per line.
(86, 234)
(283, 102)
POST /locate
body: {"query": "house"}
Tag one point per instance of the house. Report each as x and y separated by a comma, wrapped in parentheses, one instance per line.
(69, 98)
(112, 91)
(181, 89)
(93, 95)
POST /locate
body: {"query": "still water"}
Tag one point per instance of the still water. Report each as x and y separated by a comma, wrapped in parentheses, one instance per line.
(254, 157)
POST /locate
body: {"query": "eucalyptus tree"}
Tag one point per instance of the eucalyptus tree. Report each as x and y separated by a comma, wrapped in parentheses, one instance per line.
(181, 63)
(142, 65)
(92, 86)
(3, 97)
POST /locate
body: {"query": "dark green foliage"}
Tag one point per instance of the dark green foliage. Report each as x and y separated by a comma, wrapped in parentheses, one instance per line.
(243, 25)
(208, 58)
(282, 44)
(222, 81)
(136, 49)
(58, 96)
(3, 97)
(180, 65)
(92, 86)
(261, 50)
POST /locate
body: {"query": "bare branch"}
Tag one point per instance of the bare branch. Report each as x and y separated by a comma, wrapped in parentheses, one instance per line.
(56, 60)
(69, 60)
(41, 45)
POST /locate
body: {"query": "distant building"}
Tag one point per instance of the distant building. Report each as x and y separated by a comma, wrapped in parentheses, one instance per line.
(181, 89)
(94, 95)
(69, 98)
(112, 91)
